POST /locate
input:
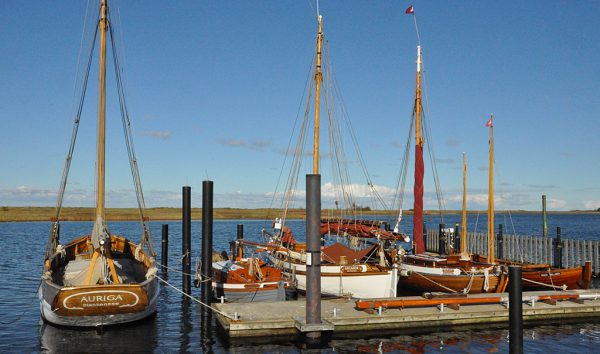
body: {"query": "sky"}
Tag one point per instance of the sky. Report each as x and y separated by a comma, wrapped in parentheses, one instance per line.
(214, 87)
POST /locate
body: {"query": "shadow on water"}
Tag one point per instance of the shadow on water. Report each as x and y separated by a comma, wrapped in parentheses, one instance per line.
(185, 325)
(138, 337)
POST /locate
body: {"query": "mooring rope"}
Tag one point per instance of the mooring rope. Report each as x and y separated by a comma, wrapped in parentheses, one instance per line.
(27, 309)
(436, 283)
(196, 300)
(563, 287)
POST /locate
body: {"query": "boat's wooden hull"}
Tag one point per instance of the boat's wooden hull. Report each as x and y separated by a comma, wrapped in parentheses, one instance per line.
(355, 281)
(430, 279)
(545, 277)
(556, 278)
(85, 304)
(97, 305)
(256, 292)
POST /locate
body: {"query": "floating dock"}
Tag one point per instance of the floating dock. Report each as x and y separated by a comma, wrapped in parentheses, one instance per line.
(342, 315)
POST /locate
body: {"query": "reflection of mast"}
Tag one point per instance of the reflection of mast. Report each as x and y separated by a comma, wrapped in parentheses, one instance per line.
(463, 231)
(419, 167)
(318, 79)
(491, 258)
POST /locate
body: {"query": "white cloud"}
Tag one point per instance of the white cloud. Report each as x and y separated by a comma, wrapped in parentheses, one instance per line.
(591, 204)
(159, 134)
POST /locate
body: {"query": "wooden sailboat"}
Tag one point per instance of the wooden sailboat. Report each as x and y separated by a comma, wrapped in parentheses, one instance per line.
(246, 279)
(426, 272)
(535, 276)
(100, 278)
(344, 271)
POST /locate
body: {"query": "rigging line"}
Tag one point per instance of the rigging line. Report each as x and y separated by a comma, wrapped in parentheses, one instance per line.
(348, 122)
(130, 146)
(76, 88)
(306, 84)
(401, 182)
(194, 299)
(417, 29)
(27, 309)
(76, 121)
(437, 183)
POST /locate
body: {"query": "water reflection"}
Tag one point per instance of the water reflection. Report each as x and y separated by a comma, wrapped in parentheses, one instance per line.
(185, 327)
(138, 337)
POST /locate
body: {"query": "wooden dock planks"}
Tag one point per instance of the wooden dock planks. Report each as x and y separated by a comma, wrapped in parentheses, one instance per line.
(268, 319)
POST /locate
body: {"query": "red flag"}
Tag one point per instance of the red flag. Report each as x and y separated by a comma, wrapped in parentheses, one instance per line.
(489, 123)
(410, 10)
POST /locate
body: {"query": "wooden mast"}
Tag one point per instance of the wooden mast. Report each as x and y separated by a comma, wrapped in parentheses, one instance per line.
(490, 231)
(100, 197)
(100, 235)
(419, 167)
(463, 231)
(318, 80)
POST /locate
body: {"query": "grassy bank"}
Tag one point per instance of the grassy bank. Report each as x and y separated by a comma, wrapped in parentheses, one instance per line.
(8, 213)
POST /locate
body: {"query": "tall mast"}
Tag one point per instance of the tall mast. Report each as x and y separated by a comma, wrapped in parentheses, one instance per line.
(318, 80)
(463, 231)
(99, 232)
(419, 167)
(102, 112)
(491, 258)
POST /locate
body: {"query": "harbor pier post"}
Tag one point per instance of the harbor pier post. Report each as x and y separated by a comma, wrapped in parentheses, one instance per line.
(424, 239)
(207, 241)
(456, 241)
(558, 248)
(515, 310)
(441, 240)
(239, 250)
(164, 258)
(186, 244)
(500, 242)
(313, 248)
(544, 222)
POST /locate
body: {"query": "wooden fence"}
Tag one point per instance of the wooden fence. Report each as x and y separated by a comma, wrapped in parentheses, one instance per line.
(529, 249)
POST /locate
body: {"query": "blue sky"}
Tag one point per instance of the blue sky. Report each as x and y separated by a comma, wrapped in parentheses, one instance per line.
(214, 87)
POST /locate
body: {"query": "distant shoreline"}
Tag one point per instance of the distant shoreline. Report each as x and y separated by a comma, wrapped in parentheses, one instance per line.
(11, 214)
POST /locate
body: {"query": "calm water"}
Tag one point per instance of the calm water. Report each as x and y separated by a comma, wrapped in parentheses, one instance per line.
(178, 327)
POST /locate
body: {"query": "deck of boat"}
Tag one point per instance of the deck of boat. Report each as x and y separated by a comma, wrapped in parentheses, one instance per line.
(341, 315)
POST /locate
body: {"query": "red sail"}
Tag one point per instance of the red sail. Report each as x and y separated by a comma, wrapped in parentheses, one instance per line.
(418, 206)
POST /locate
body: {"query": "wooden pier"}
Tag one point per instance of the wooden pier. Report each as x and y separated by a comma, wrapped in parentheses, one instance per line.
(342, 315)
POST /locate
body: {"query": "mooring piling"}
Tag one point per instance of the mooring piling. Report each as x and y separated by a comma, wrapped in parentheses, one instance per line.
(165, 247)
(313, 248)
(558, 249)
(500, 242)
(544, 223)
(515, 310)
(239, 250)
(186, 233)
(207, 241)
(441, 238)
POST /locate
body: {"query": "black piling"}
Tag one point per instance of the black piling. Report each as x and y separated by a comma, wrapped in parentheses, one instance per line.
(186, 243)
(313, 248)
(207, 240)
(515, 310)
(456, 241)
(441, 240)
(424, 239)
(544, 222)
(239, 251)
(165, 247)
(558, 249)
(500, 243)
